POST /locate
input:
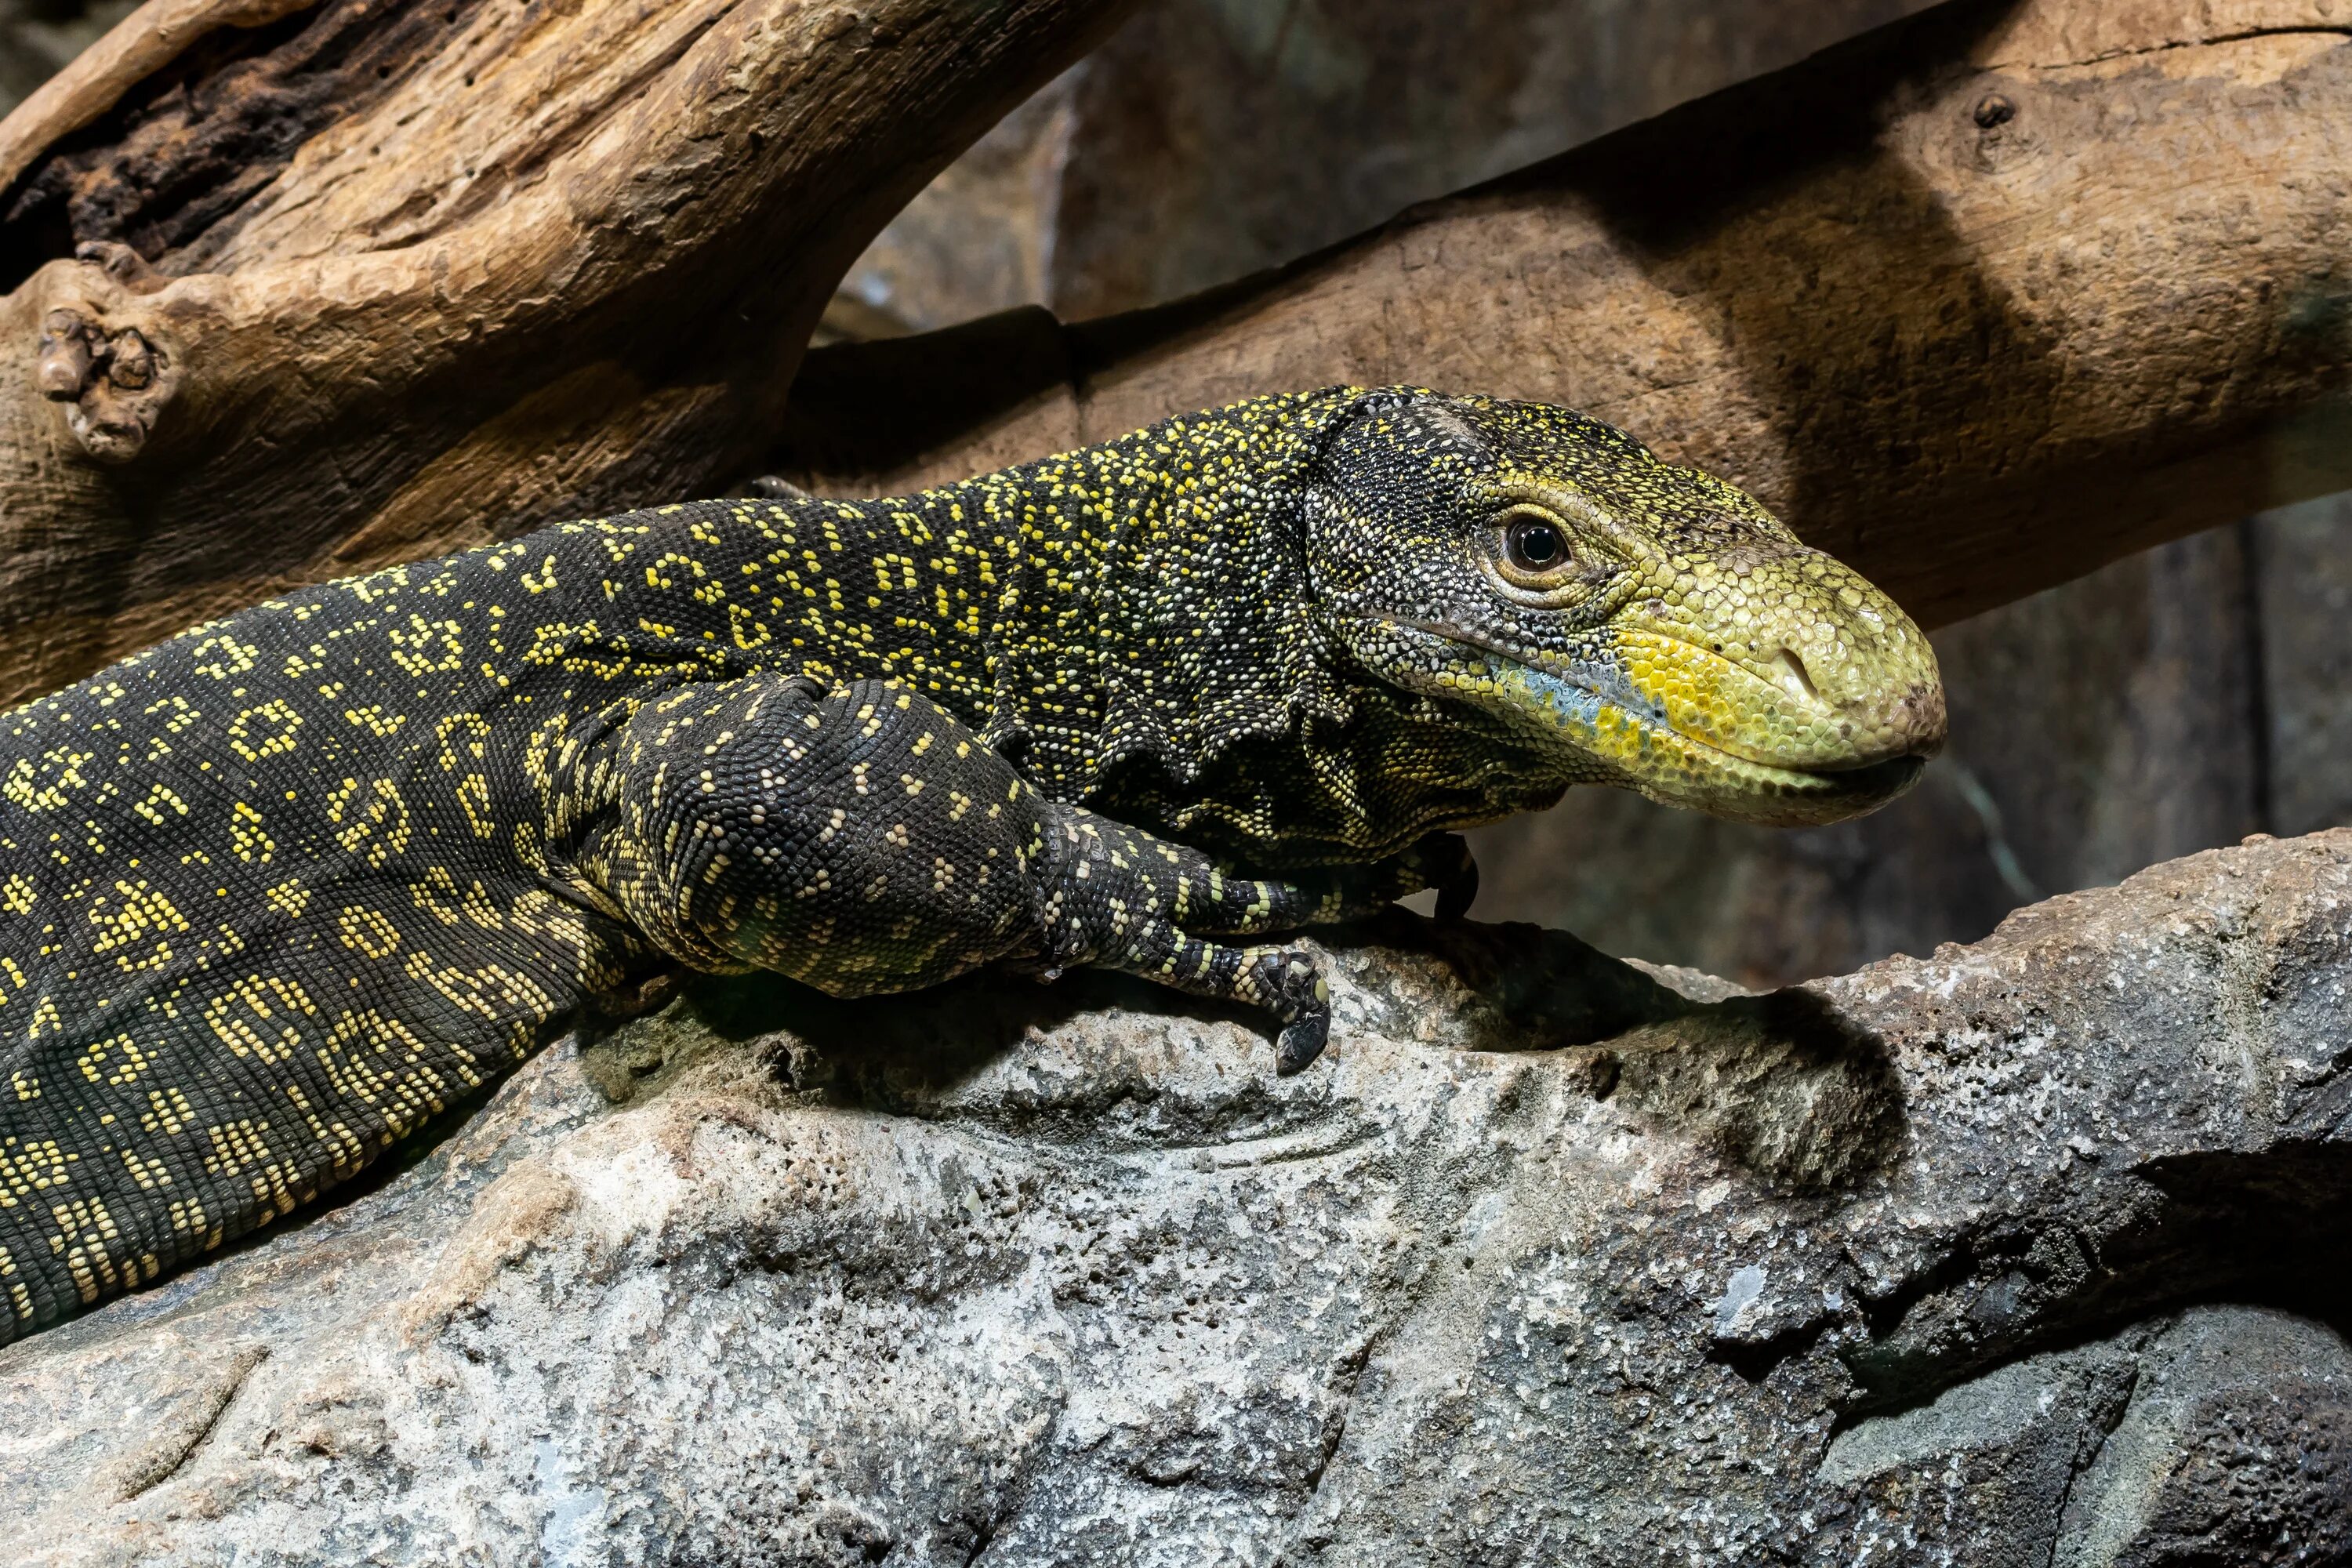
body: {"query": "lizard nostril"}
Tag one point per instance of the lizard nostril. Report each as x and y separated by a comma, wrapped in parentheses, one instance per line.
(1793, 677)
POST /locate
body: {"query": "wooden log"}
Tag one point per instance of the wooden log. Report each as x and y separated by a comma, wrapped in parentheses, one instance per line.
(300, 286)
(1979, 301)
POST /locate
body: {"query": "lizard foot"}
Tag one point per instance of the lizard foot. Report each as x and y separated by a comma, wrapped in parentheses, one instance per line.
(1288, 984)
(1301, 1043)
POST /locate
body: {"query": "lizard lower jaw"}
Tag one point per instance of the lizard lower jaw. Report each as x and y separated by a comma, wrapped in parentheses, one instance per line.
(1822, 795)
(1614, 736)
(1638, 747)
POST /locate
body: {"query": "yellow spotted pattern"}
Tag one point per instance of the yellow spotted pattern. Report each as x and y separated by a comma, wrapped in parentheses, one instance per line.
(276, 893)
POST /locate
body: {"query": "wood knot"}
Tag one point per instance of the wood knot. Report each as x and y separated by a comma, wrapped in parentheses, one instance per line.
(122, 264)
(67, 357)
(114, 382)
(1994, 109)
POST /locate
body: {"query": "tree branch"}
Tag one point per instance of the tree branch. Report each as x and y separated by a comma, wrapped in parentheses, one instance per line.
(362, 281)
(1979, 301)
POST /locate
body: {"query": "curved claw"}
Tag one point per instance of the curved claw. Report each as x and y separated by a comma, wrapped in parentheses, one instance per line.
(1302, 1041)
(1457, 892)
(1288, 981)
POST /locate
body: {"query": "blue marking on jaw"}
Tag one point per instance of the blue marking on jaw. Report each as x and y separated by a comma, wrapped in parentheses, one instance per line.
(1575, 707)
(1577, 694)
(1575, 704)
(1571, 703)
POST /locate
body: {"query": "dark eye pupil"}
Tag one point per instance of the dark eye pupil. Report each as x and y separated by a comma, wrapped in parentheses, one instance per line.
(1536, 546)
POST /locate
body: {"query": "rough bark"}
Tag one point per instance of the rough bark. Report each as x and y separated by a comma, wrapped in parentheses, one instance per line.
(366, 281)
(1207, 139)
(1981, 301)
(2021, 1254)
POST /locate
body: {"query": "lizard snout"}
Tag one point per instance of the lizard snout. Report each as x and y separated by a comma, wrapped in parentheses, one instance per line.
(1868, 712)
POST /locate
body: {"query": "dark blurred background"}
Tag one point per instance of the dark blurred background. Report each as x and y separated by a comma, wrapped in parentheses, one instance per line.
(2177, 700)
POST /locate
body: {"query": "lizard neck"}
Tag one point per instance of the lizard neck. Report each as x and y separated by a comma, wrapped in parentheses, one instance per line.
(1134, 626)
(1162, 615)
(1164, 660)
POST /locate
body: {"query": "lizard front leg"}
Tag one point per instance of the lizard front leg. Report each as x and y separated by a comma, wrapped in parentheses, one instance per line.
(865, 840)
(1131, 901)
(1221, 903)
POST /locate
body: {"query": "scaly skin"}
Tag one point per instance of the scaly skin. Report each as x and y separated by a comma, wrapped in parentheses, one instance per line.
(275, 893)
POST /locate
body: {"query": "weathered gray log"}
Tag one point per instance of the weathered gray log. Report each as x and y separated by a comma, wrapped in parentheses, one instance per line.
(370, 279)
(1981, 301)
(2012, 1255)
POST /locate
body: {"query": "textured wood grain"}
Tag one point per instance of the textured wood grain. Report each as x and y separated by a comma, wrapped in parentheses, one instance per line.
(368, 280)
(1981, 301)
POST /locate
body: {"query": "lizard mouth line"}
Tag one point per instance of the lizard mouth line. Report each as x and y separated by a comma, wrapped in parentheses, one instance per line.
(1874, 776)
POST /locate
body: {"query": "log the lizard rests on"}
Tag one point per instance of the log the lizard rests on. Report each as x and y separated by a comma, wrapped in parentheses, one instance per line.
(276, 891)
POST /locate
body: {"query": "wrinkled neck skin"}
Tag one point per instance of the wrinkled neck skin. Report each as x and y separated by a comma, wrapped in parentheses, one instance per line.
(1132, 624)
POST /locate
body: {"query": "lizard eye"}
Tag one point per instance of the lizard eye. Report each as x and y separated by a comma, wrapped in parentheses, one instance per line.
(1534, 543)
(1530, 551)
(1537, 558)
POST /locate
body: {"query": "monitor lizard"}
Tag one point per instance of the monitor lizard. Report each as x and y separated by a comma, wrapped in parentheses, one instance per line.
(276, 891)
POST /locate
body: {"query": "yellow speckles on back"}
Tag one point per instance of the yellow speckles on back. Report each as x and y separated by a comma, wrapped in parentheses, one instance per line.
(114, 1061)
(344, 1149)
(171, 714)
(675, 568)
(368, 932)
(241, 1148)
(136, 926)
(145, 1173)
(222, 656)
(18, 894)
(260, 1016)
(375, 1061)
(84, 1239)
(464, 746)
(264, 731)
(168, 1112)
(376, 718)
(31, 1166)
(289, 898)
(247, 838)
(48, 785)
(370, 820)
(502, 995)
(440, 894)
(187, 1219)
(161, 803)
(423, 647)
(20, 1294)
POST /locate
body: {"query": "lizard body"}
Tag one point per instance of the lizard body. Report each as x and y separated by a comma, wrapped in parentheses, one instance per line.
(275, 892)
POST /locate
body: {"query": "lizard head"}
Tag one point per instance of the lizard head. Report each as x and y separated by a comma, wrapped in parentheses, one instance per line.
(1639, 624)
